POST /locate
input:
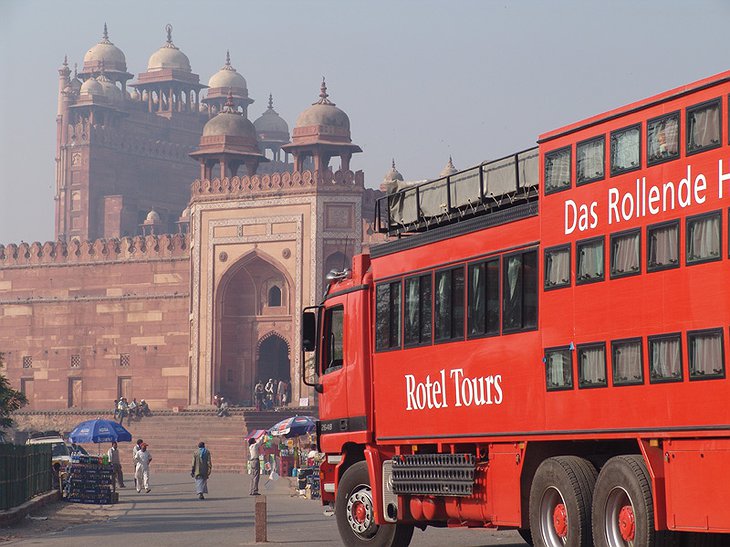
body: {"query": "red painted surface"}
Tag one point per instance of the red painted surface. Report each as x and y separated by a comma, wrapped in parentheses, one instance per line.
(678, 300)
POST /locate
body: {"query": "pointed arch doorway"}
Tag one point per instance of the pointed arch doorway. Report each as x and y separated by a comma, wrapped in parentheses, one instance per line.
(273, 359)
(253, 308)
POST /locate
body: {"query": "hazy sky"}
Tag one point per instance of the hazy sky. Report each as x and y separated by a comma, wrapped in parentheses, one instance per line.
(420, 80)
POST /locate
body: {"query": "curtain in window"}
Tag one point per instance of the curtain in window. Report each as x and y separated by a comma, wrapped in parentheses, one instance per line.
(593, 366)
(663, 137)
(625, 150)
(513, 293)
(557, 170)
(425, 305)
(590, 261)
(557, 268)
(411, 312)
(589, 160)
(663, 246)
(627, 363)
(703, 238)
(443, 305)
(382, 316)
(558, 369)
(704, 127)
(705, 355)
(476, 299)
(666, 360)
(395, 326)
(625, 254)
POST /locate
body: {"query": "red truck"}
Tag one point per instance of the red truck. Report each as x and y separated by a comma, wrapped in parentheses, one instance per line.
(540, 344)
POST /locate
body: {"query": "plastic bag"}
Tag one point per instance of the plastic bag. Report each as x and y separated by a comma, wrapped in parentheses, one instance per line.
(274, 476)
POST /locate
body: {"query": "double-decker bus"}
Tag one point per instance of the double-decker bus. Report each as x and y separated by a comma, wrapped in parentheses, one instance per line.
(541, 343)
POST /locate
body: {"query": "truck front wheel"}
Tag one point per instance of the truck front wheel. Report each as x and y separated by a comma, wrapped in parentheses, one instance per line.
(355, 514)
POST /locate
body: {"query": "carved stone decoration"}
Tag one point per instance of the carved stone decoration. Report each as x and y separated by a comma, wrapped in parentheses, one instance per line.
(223, 256)
(286, 253)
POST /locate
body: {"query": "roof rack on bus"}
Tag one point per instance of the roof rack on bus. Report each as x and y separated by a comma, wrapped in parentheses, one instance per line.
(490, 186)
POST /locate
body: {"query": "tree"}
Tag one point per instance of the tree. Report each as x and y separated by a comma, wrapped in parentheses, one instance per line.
(10, 400)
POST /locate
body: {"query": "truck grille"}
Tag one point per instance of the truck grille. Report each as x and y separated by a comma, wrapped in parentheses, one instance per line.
(434, 474)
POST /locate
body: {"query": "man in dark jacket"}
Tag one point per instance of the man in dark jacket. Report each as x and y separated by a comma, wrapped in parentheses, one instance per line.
(202, 466)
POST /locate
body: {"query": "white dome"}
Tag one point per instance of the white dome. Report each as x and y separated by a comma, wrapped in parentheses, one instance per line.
(227, 77)
(91, 87)
(324, 112)
(105, 53)
(169, 56)
(152, 217)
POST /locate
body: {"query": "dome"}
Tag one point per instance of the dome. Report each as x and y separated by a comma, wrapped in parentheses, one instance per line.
(91, 87)
(169, 56)
(109, 90)
(324, 112)
(227, 77)
(152, 218)
(270, 125)
(107, 53)
(393, 175)
(229, 123)
(449, 169)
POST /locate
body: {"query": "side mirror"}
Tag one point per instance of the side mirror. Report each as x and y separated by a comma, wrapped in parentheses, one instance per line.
(309, 331)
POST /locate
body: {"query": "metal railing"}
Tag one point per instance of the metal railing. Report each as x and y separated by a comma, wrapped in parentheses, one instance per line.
(25, 471)
(490, 186)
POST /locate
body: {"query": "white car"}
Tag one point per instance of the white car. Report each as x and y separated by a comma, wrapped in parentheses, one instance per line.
(60, 450)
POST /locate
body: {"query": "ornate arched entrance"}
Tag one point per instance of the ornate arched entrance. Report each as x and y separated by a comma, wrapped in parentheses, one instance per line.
(248, 320)
(273, 359)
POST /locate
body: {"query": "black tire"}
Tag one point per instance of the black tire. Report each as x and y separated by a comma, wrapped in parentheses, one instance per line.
(560, 502)
(623, 509)
(526, 535)
(354, 514)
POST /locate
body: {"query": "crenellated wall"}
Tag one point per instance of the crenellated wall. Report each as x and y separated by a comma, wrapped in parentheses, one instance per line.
(276, 183)
(81, 322)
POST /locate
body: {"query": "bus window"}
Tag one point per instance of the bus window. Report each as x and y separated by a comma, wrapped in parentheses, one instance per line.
(557, 170)
(628, 368)
(706, 354)
(662, 139)
(665, 358)
(703, 127)
(703, 238)
(333, 350)
(625, 258)
(589, 260)
(483, 298)
(662, 246)
(559, 368)
(557, 267)
(592, 365)
(519, 291)
(449, 305)
(589, 160)
(387, 315)
(626, 150)
(418, 310)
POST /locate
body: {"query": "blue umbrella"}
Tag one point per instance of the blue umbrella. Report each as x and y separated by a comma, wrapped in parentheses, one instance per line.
(293, 427)
(99, 431)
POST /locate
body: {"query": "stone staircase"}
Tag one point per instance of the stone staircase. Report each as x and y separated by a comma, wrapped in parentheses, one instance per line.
(172, 436)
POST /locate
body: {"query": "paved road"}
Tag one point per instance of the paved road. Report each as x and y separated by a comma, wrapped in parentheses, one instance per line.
(172, 515)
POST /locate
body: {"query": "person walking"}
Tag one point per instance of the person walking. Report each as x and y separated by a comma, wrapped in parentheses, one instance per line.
(113, 455)
(202, 467)
(253, 460)
(135, 449)
(142, 460)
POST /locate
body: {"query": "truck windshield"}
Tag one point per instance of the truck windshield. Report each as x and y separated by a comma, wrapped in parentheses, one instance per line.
(333, 339)
(59, 449)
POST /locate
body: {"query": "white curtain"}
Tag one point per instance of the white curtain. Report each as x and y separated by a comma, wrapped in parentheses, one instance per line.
(592, 366)
(666, 359)
(590, 261)
(625, 150)
(412, 299)
(625, 254)
(703, 238)
(557, 170)
(705, 355)
(558, 369)
(476, 300)
(557, 267)
(589, 160)
(704, 127)
(663, 246)
(627, 363)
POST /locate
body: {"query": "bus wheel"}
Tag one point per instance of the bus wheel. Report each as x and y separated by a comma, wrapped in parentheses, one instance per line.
(623, 511)
(355, 516)
(560, 502)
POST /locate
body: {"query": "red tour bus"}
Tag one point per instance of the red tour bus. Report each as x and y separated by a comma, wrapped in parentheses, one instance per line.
(540, 345)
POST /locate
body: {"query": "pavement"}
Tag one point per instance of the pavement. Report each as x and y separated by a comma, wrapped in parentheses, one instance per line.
(171, 514)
